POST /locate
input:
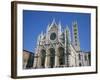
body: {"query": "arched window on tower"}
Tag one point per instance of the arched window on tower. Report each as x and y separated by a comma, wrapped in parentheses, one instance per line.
(43, 55)
(61, 56)
(52, 57)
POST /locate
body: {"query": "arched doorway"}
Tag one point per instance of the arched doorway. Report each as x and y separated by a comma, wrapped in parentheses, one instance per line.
(43, 55)
(52, 57)
(61, 56)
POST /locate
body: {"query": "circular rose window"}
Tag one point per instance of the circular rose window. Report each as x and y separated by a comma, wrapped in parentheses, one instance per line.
(53, 36)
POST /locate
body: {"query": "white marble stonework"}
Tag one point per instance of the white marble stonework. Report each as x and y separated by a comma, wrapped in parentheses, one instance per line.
(56, 49)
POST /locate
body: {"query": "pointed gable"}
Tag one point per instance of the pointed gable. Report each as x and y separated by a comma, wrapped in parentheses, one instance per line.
(53, 25)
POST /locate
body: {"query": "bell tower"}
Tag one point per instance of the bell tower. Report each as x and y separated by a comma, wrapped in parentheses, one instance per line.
(75, 33)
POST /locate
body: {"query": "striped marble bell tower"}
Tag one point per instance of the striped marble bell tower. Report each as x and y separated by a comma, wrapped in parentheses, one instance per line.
(76, 42)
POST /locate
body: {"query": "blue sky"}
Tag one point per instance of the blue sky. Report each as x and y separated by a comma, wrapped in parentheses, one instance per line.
(34, 22)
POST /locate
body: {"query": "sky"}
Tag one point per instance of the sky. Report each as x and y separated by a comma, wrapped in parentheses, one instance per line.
(34, 22)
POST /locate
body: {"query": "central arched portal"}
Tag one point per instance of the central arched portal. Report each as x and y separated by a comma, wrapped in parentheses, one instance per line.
(52, 57)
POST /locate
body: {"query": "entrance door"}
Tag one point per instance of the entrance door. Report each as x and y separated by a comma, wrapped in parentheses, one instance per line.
(52, 57)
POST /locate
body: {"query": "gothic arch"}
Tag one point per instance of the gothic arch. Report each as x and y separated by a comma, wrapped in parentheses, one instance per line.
(61, 56)
(43, 56)
(52, 57)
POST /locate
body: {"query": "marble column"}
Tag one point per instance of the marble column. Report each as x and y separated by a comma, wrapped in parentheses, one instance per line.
(39, 61)
(47, 59)
(56, 57)
(77, 59)
(24, 66)
(35, 61)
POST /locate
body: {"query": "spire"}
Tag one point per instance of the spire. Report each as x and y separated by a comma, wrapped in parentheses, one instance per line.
(48, 28)
(38, 39)
(53, 20)
(76, 42)
(67, 44)
(39, 36)
(59, 25)
(68, 34)
(53, 24)
(42, 35)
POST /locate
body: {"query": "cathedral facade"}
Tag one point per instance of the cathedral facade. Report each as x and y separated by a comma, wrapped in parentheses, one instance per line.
(56, 48)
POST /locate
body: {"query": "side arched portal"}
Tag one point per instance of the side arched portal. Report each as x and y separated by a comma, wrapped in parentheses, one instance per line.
(43, 55)
(61, 56)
